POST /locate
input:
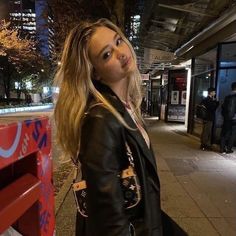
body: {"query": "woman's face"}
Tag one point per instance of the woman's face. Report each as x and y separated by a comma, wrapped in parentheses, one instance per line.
(110, 56)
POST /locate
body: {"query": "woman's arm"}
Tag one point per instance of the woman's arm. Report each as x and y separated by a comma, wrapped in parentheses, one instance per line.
(101, 152)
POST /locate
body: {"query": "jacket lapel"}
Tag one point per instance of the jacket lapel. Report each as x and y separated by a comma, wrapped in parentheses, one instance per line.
(135, 134)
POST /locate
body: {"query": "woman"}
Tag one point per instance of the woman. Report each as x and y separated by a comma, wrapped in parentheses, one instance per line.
(97, 111)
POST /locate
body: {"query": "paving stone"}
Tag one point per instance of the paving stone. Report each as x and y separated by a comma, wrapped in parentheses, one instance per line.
(180, 206)
(219, 191)
(197, 226)
(161, 164)
(199, 197)
(175, 200)
(65, 219)
(65, 233)
(224, 227)
(216, 165)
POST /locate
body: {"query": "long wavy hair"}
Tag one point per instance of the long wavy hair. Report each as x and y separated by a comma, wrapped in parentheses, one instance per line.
(74, 78)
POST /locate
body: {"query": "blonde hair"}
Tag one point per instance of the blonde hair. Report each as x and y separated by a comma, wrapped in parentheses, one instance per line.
(74, 78)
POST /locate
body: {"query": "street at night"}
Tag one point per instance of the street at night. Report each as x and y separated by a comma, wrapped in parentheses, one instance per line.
(117, 118)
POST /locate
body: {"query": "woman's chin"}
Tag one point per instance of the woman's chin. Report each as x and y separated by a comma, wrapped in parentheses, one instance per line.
(132, 67)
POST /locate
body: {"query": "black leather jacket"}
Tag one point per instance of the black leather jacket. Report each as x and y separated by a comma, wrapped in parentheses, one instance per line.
(229, 108)
(102, 156)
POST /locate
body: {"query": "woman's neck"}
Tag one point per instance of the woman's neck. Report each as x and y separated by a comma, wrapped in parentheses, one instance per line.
(120, 89)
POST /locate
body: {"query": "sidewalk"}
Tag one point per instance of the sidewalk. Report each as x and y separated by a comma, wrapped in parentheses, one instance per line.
(197, 187)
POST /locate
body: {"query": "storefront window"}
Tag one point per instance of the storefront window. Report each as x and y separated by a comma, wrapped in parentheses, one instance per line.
(227, 69)
(203, 78)
(226, 76)
(177, 95)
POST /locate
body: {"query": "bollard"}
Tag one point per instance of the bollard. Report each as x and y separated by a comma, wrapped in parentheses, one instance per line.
(26, 189)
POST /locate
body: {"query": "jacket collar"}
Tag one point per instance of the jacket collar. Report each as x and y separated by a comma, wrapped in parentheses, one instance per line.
(108, 93)
(119, 106)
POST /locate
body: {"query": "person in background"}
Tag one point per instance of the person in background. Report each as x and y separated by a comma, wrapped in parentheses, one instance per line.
(211, 105)
(28, 99)
(228, 131)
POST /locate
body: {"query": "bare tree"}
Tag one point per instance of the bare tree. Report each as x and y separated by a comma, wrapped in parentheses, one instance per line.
(18, 57)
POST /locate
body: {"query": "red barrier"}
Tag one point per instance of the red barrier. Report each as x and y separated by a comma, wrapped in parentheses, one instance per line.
(26, 190)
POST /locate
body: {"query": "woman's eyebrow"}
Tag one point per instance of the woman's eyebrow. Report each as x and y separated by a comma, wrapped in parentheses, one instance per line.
(114, 38)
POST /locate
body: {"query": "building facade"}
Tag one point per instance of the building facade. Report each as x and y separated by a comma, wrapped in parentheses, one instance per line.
(32, 20)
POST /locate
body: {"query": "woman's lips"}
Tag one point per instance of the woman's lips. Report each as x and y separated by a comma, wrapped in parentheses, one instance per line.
(126, 62)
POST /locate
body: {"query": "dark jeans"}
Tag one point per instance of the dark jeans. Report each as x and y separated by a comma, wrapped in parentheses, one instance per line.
(228, 134)
(206, 133)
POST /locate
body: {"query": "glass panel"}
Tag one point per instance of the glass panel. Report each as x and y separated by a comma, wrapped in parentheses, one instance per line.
(225, 79)
(201, 84)
(205, 62)
(203, 78)
(228, 55)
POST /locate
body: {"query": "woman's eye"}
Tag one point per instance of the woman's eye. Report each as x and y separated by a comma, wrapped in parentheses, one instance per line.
(119, 41)
(106, 55)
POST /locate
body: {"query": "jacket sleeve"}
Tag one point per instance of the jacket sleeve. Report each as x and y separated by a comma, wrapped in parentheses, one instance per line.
(231, 107)
(210, 104)
(228, 108)
(100, 155)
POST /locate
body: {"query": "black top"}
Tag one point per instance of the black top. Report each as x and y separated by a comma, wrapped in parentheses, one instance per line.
(211, 106)
(229, 108)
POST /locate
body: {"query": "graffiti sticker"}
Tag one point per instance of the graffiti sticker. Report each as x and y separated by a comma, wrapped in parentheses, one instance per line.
(6, 153)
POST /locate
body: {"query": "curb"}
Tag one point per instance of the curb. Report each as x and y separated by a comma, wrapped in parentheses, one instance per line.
(23, 109)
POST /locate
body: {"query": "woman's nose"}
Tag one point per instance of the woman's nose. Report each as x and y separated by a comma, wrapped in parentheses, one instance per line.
(121, 56)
